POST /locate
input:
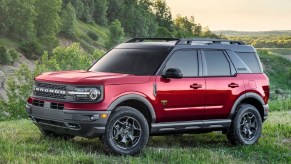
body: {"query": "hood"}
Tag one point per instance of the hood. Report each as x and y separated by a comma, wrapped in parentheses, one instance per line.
(91, 78)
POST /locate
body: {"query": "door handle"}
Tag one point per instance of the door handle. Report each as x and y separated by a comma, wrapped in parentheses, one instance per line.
(196, 86)
(233, 85)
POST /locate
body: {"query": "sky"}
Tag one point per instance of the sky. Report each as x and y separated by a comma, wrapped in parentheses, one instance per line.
(239, 15)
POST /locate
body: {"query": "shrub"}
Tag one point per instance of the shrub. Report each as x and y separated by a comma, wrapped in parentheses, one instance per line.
(116, 35)
(19, 87)
(5, 57)
(97, 54)
(93, 35)
(31, 49)
(14, 54)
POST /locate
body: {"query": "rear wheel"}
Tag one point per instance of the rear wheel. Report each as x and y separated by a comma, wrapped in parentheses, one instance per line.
(126, 132)
(246, 126)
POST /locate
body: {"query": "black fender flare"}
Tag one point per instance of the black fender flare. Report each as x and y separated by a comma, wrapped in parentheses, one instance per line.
(242, 97)
(134, 97)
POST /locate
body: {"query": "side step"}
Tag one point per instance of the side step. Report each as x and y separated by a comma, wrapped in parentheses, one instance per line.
(190, 125)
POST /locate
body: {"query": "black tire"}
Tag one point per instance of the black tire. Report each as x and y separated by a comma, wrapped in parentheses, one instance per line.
(126, 132)
(246, 126)
(50, 134)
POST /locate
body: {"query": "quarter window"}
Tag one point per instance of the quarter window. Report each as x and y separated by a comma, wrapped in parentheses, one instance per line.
(251, 61)
(216, 64)
(186, 61)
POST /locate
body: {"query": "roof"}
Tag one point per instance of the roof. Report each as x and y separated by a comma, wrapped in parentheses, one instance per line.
(196, 43)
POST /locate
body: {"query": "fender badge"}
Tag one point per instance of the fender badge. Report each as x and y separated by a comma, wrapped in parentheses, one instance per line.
(164, 102)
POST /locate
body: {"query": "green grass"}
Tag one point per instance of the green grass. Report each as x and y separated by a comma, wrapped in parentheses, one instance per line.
(281, 51)
(10, 43)
(276, 67)
(21, 142)
(85, 41)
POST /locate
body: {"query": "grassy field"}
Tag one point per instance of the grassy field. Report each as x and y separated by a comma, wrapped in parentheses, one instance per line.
(281, 51)
(21, 142)
(276, 67)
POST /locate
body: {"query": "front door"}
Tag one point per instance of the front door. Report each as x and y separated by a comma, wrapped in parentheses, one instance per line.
(182, 99)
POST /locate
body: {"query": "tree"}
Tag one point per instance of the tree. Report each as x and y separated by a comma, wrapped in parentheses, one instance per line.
(163, 14)
(48, 21)
(116, 34)
(163, 32)
(207, 33)
(89, 8)
(17, 18)
(5, 57)
(184, 26)
(69, 21)
(100, 10)
(115, 9)
(78, 5)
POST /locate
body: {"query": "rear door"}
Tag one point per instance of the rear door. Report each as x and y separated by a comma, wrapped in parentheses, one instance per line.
(182, 99)
(223, 86)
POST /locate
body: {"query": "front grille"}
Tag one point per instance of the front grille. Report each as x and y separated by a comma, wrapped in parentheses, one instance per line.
(50, 95)
(51, 86)
(57, 106)
(38, 103)
(50, 122)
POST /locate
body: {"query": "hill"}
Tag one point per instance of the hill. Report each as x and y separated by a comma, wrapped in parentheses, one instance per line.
(252, 33)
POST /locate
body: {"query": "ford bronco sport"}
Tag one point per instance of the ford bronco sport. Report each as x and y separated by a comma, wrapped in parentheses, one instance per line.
(150, 86)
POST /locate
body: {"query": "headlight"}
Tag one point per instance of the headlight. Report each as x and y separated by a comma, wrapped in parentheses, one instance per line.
(86, 94)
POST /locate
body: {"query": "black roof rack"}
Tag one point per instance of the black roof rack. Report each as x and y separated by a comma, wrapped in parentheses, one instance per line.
(208, 41)
(187, 41)
(133, 40)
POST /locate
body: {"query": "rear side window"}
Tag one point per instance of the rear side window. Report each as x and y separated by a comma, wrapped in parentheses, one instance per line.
(186, 61)
(250, 59)
(216, 64)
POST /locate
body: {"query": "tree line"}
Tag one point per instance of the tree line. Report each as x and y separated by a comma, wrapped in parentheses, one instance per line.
(39, 21)
(265, 41)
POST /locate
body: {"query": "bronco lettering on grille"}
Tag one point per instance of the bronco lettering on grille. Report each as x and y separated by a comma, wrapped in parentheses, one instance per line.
(50, 90)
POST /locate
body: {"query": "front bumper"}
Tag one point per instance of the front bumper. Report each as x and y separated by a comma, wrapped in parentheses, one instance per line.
(88, 124)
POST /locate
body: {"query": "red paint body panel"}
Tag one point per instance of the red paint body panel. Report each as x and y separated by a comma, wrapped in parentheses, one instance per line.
(220, 97)
(213, 100)
(90, 78)
(183, 102)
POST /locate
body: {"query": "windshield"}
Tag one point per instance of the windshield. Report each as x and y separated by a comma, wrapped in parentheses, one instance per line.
(139, 62)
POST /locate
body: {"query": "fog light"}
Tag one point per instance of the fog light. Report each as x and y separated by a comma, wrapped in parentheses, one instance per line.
(104, 115)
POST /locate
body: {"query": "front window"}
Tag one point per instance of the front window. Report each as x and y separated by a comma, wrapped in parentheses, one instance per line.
(140, 62)
(186, 61)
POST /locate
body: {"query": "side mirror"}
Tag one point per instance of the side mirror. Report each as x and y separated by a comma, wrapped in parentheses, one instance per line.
(174, 73)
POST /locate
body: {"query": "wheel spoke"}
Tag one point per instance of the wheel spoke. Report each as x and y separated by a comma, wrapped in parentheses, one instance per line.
(131, 137)
(117, 133)
(253, 125)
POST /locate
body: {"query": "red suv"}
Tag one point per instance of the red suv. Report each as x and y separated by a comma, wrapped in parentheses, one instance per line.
(150, 86)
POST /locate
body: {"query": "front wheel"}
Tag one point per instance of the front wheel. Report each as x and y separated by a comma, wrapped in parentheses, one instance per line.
(126, 132)
(246, 127)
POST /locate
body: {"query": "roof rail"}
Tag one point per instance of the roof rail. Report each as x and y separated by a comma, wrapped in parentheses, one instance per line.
(133, 40)
(208, 41)
(187, 41)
